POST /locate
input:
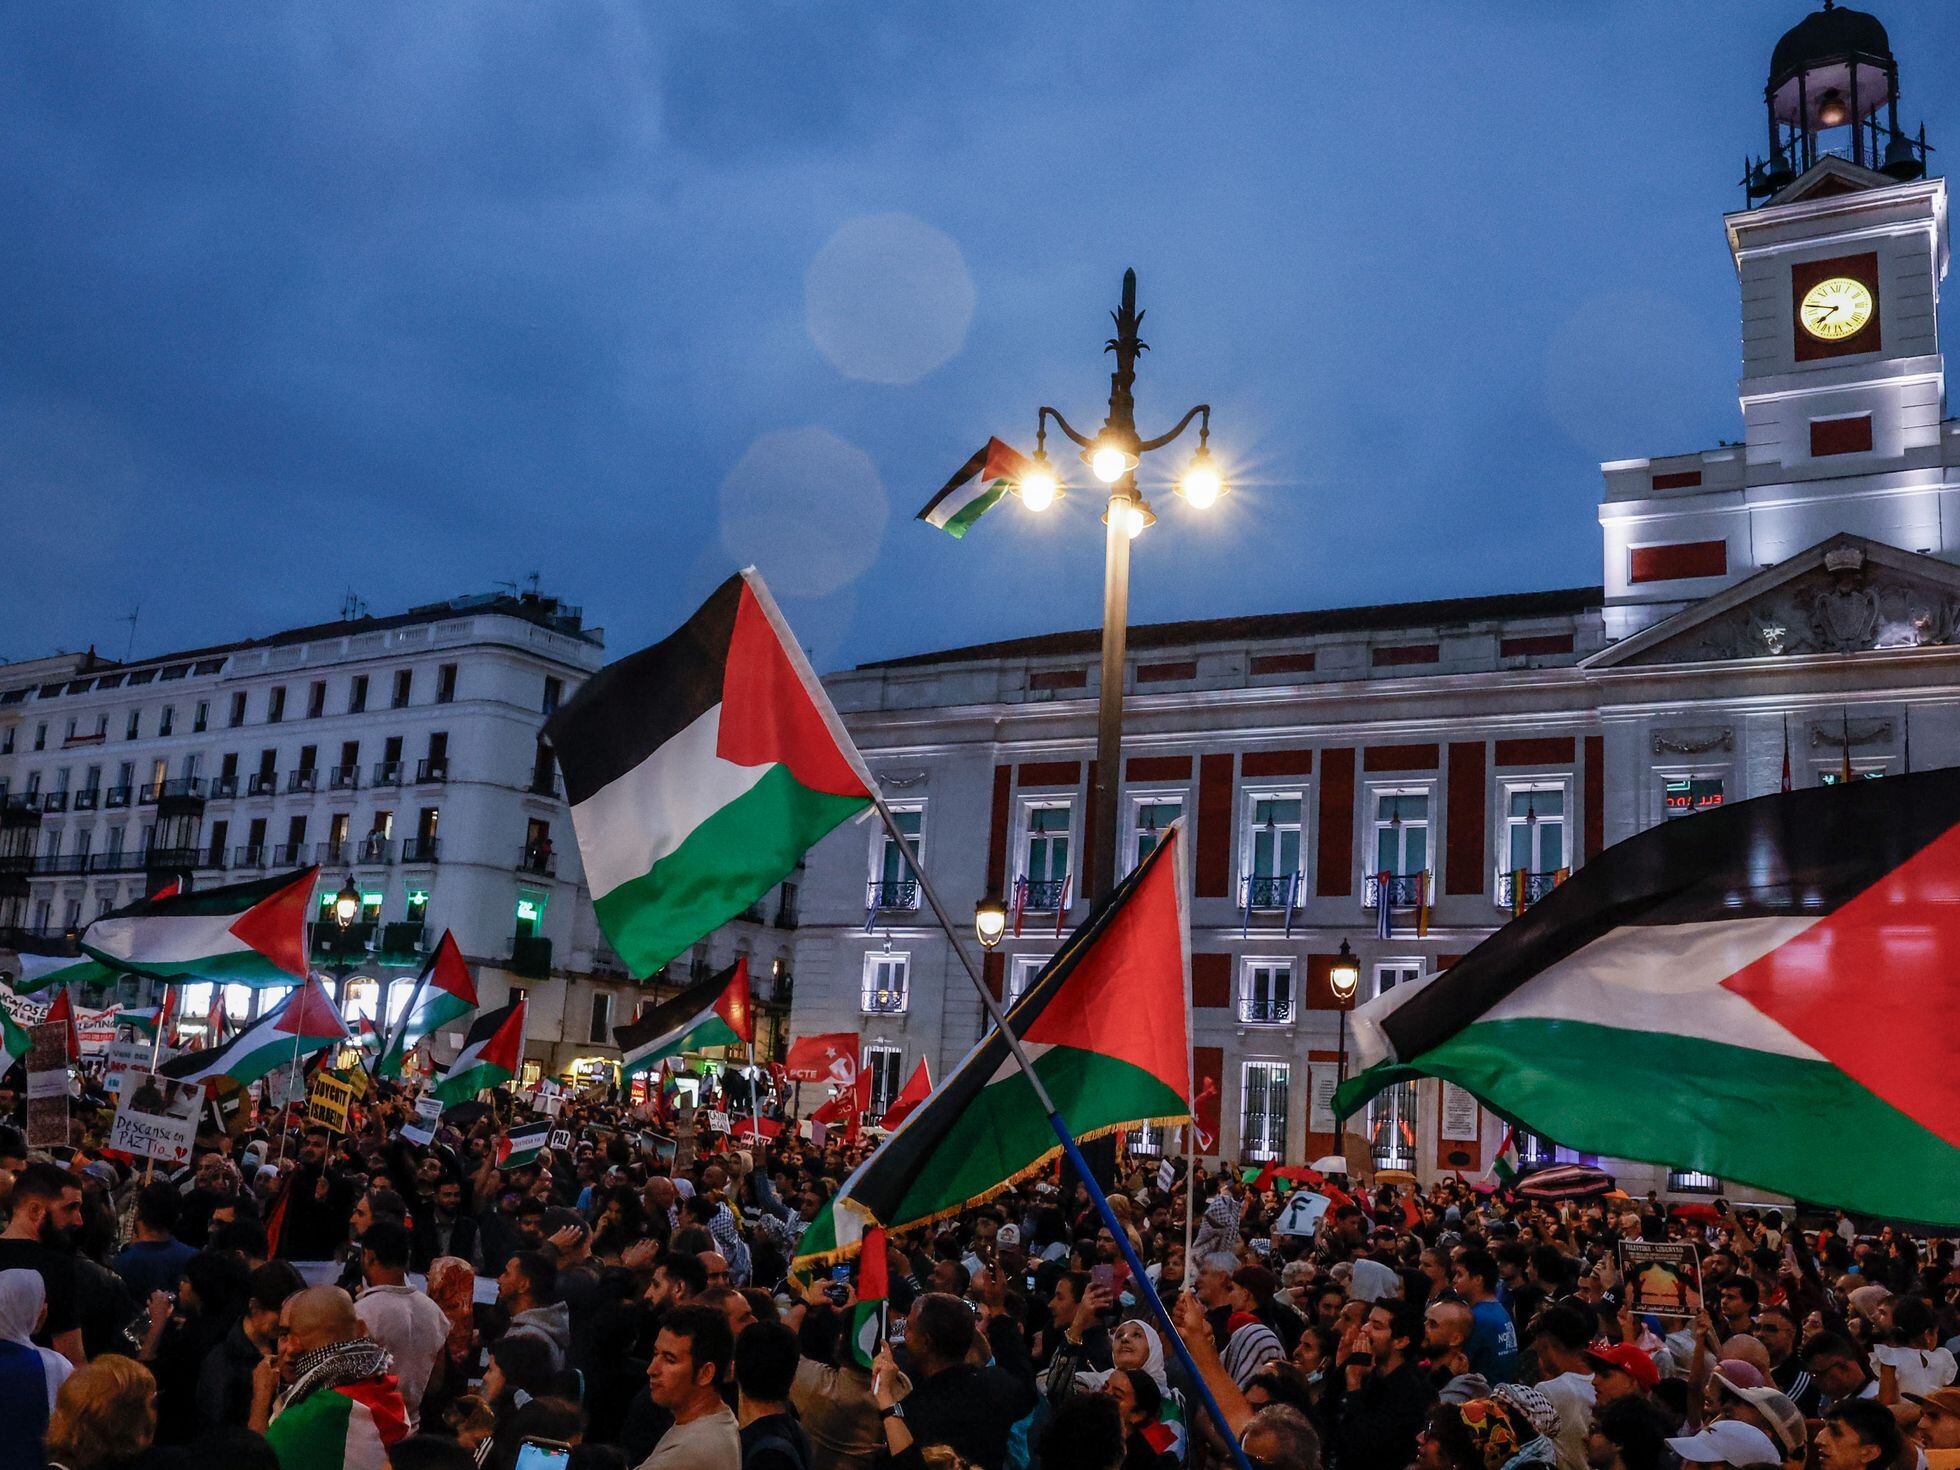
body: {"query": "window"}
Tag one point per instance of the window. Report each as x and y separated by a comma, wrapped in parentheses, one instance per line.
(132, 731)
(1262, 1110)
(1401, 832)
(159, 773)
(404, 682)
(1391, 973)
(41, 736)
(1149, 816)
(893, 882)
(1533, 850)
(167, 720)
(446, 684)
(426, 823)
(7, 741)
(1147, 1141)
(1026, 968)
(600, 1033)
(1045, 855)
(1392, 1127)
(275, 705)
(1535, 1150)
(1683, 796)
(544, 771)
(1274, 832)
(882, 1064)
(1266, 992)
(70, 735)
(201, 717)
(885, 977)
(554, 691)
(357, 694)
(237, 717)
(1692, 1182)
(33, 783)
(316, 699)
(418, 905)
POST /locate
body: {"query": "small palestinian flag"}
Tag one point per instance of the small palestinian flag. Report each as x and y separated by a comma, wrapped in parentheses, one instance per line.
(976, 489)
(1107, 1024)
(700, 771)
(521, 1146)
(1504, 1167)
(444, 992)
(345, 1428)
(49, 963)
(62, 1011)
(14, 1040)
(241, 934)
(914, 1092)
(491, 1055)
(1766, 979)
(716, 1012)
(873, 1292)
(302, 1024)
(146, 1020)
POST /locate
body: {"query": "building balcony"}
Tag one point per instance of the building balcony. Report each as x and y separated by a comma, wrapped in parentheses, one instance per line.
(331, 943)
(786, 907)
(148, 793)
(892, 895)
(542, 861)
(16, 863)
(1403, 890)
(173, 859)
(386, 773)
(22, 803)
(1041, 895)
(116, 797)
(116, 862)
(332, 854)
(422, 850)
(1517, 891)
(375, 850)
(53, 864)
(265, 783)
(87, 799)
(404, 940)
(307, 779)
(530, 956)
(882, 1002)
(1266, 1010)
(213, 859)
(428, 773)
(1270, 892)
(223, 788)
(343, 778)
(54, 801)
(13, 936)
(249, 855)
(288, 855)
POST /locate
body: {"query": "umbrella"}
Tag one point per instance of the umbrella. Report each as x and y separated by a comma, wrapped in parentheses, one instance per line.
(1705, 1214)
(1394, 1176)
(1565, 1181)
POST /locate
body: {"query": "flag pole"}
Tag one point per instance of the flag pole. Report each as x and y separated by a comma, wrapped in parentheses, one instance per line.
(1141, 1283)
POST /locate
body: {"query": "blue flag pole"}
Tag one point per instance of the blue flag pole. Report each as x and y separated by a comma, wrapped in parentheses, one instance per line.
(1143, 1286)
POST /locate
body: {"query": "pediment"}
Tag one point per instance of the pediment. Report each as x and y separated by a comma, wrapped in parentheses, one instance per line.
(1845, 595)
(1830, 175)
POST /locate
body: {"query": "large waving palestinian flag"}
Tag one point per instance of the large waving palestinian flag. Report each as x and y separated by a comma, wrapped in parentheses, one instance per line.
(976, 489)
(1107, 1024)
(444, 992)
(303, 1023)
(1756, 992)
(44, 964)
(241, 934)
(491, 1055)
(715, 1012)
(700, 770)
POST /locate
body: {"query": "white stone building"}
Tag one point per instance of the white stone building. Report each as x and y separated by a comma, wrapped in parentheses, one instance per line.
(1797, 591)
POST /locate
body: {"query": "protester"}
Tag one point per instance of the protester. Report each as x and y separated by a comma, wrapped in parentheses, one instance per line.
(105, 1418)
(329, 1398)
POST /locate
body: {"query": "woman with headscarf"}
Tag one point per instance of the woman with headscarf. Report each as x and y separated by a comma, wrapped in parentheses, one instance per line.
(30, 1376)
(1135, 1347)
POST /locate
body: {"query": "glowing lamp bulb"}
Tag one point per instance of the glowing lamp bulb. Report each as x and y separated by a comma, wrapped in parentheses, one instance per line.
(1109, 464)
(1038, 489)
(1831, 111)
(1202, 485)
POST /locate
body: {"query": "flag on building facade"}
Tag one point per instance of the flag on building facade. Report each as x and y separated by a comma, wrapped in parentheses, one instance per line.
(714, 1012)
(1744, 992)
(241, 934)
(522, 1145)
(302, 1024)
(976, 488)
(915, 1091)
(444, 992)
(700, 771)
(491, 1055)
(830, 1058)
(873, 1294)
(1107, 1026)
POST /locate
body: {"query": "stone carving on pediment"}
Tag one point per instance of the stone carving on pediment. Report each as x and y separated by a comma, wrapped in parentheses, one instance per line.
(1851, 610)
(1692, 742)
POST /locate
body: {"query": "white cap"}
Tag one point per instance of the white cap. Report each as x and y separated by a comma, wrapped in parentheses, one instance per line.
(1008, 1235)
(1728, 1442)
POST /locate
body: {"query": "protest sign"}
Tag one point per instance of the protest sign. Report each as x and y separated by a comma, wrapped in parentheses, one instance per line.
(718, 1122)
(95, 1030)
(1663, 1277)
(418, 1133)
(47, 1085)
(127, 1058)
(561, 1138)
(428, 1109)
(1166, 1175)
(327, 1100)
(157, 1118)
(1303, 1211)
(25, 1010)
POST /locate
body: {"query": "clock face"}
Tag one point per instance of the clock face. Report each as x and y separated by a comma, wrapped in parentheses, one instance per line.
(1836, 308)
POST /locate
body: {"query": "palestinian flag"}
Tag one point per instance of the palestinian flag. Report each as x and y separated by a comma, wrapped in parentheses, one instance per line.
(1107, 1026)
(344, 1428)
(241, 934)
(521, 1146)
(14, 1041)
(491, 1055)
(145, 1021)
(1504, 1165)
(46, 964)
(976, 489)
(444, 992)
(1751, 992)
(303, 1023)
(700, 771)
(62, 1011)
(917, 1087)
(715, 1012)
(873, 1292)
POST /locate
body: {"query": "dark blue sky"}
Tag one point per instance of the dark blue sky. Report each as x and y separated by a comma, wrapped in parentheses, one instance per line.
(414, 299)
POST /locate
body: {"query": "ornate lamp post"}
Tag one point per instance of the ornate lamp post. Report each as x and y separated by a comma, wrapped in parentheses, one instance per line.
(1343, 978)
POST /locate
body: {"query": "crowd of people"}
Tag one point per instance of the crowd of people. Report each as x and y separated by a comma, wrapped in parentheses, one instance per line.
(354, 1301)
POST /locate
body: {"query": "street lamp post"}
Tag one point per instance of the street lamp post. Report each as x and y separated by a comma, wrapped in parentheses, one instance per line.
(1112, 456)
(1343, 978)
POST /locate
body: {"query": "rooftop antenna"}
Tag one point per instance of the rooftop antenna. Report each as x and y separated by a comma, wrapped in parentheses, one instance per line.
(352, 606)
(129, 646)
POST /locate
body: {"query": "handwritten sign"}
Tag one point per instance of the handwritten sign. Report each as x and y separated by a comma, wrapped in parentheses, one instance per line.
(157, 1118)
(24, 1009)
(327, 1101)
(47, 1085)
(718, 1122)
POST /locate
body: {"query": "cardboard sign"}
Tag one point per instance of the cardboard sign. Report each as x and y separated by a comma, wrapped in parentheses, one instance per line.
(428, 1109)
(327, 1101)
(1302, 1214)
(25, 1010)
(718, 1122)
(1663, 1277)
(157, 1118)
(130, 1058)
(1166, 1176)
(47, 1085)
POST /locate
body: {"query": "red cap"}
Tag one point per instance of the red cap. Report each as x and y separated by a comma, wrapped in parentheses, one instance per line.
(1629, 1360)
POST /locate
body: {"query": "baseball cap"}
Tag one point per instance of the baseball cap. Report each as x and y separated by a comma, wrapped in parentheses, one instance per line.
(1625, 1357)
(1785, 1418)
(1008, 1235)
(1740, 1373)
(1727, 1442)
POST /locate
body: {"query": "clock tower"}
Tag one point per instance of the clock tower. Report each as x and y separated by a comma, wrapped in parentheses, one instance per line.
(1840, 254)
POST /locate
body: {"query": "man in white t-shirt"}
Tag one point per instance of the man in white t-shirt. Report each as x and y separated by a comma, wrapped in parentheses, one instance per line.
(403, 1320)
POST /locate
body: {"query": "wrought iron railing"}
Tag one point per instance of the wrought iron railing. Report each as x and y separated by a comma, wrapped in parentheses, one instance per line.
(1270, 891)
(1266, 1010)
(878, 1001)
(343, 778)
(1043, 895)
(1403, 890)
(892, 893)
(422, 850)
(1511, 894)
